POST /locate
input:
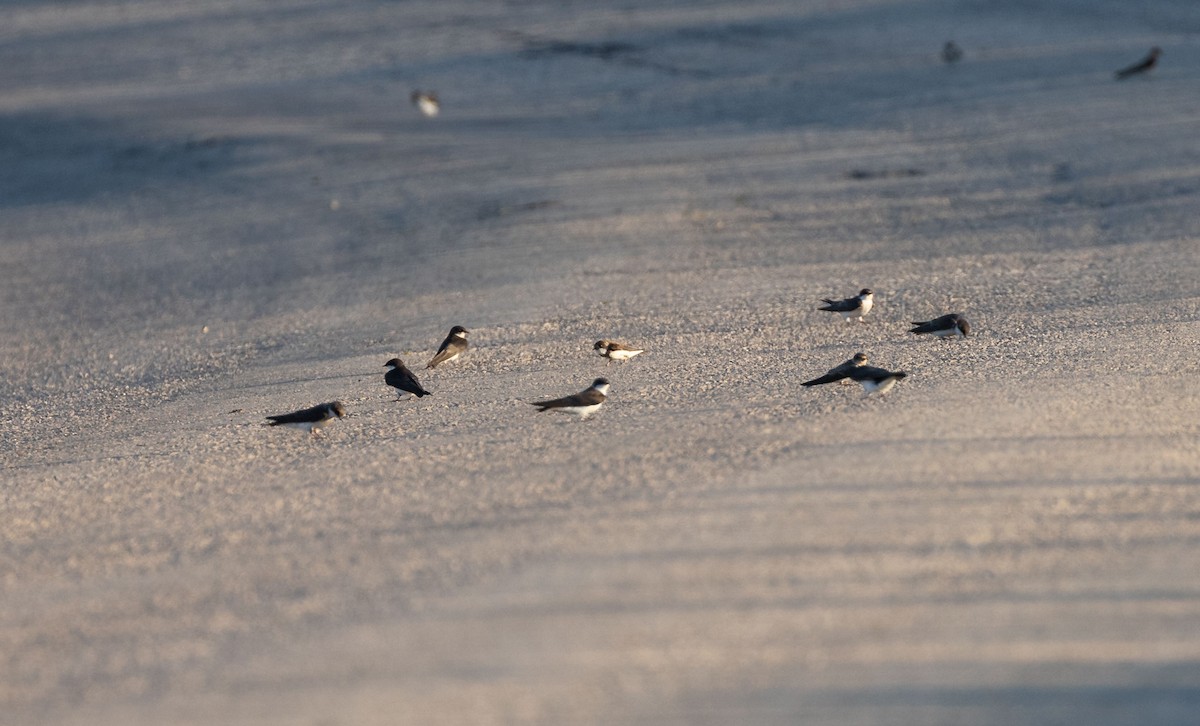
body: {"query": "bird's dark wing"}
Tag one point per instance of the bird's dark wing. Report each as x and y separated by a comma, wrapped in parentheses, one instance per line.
(871, 373)
(835, 374)
(840, 306)
(307, 415)
(590, 397)
(946, 321)
(404, 379)
(450, 346)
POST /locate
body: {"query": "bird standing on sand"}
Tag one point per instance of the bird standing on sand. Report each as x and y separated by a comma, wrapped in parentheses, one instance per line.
(402, 379)
(313, 419)
(582, 404)
(947, 326)
(876, 380)
(615, 351)
(452, 347)
(1145, 65)
(426, 102)
(951, 53)
(840, 372)
(851, 307)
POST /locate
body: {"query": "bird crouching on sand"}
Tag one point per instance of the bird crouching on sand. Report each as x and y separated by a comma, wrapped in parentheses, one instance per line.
(851, 307)
(312, 419)
(1145, 65)
(947, 326)
(582, 404)
(452, 347)
(402, 379)
(615, 351)
(839, 372)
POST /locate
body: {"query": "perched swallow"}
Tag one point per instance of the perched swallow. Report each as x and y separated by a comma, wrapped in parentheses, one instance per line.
(876, 380)
(851, 307)
(614, 350)
(426, 102)
(840, 372)
(453, 346)
(952, 325)
(1145, 65)
(951, 53)
(582, 404)
(313, 419)
(402, 379)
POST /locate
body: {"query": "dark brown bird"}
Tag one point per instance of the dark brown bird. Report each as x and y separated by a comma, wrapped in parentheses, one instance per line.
(1145, 65)
(947, 326)
(452, 347)
(840, 372)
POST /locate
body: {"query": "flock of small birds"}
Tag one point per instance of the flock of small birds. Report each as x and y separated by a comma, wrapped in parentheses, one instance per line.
(588, 401)
(873, 379)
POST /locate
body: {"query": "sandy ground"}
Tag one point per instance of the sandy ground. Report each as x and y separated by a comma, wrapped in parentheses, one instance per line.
(213, 211)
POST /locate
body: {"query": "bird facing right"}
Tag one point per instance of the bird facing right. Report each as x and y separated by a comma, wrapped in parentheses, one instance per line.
(947, 326)
(851, 307)
(839, 372)
(312, 419)
(451, 348)
(1145, 65)
(582, 404)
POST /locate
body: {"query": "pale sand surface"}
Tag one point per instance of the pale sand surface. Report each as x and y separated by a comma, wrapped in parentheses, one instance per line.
(213, 211)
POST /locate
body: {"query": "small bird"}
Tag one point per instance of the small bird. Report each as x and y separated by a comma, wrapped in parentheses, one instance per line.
(615, 351)
(313, 419)
(951, 53)
(402, 379)
(851, 307)
(582, 404)
(426, 102)
(840, 372)
(876, 380)
(952, 325)
(452, 347)
(1145, 65)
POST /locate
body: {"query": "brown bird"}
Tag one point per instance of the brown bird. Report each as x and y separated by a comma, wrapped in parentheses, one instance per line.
(615, 351)
(1145, 65)
(452, 347)
(947, 326)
